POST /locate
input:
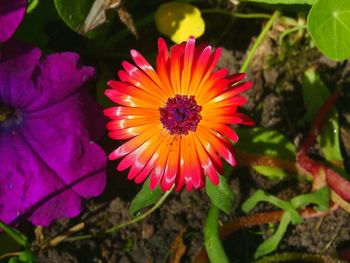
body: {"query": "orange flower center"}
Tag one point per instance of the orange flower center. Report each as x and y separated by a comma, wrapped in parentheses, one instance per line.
(180, 114)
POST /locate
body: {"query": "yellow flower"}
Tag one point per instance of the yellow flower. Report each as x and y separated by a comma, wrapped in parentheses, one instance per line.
(179, 21)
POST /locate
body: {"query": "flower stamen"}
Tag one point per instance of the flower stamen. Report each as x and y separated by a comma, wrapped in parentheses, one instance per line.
(180, 115)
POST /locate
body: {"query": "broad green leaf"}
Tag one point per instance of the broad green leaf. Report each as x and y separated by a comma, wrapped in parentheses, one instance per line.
(283, 2)
(266, 142)
(220, 195)
(82, 16)
(261, 196)
(144, 198)
(320, 198)
(73, 13)
(329, 27)
(270, 244)
(315, 93)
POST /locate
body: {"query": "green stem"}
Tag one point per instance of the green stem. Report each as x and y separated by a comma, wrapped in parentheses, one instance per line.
(258, 41)
(238, 15)
(14, 234)
(127, 223)
(212, 240)
(289, 31)
(140, 217)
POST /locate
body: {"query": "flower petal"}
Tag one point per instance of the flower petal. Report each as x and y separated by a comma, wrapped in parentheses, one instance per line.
(11, 15)
(38, 193)
(199, 70)
(134, 143)
(206, 162)
(64, 75)
(17, 63)
(220, 146)
(60, 138)
(144, 157)
(160, 164)
(221, 128)
(187, 65)
(172, 166)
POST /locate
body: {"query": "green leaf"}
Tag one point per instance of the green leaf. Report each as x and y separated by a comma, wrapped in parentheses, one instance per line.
(23, 257)
(271, 173)
(74, 13)
(270, 244)
(319, 198)
(14, 234)
(283, 2)
(261, 196)
(329, 27)
(212, 242)
(27, 256)
(315, 93)
(144, 198)
(32, 4)
(266, 142)
(220, 195)
(329, 139)
(13, 260)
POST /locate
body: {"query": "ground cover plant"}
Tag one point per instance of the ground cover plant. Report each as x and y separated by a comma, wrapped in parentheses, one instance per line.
(174, 131)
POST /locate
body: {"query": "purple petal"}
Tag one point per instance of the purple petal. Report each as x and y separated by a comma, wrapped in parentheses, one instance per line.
(59, 136)
(58, 77)
(25, 179)
(17, 63)
(11, 14)
(48, 162)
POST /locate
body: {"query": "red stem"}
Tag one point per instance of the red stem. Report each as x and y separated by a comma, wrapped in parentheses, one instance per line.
(338, 183)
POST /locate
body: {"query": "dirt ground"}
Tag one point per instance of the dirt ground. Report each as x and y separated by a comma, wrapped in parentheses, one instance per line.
(274, 102)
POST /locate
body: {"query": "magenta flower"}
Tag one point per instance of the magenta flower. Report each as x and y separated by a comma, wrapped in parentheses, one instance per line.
(48, 125)
(11, 14)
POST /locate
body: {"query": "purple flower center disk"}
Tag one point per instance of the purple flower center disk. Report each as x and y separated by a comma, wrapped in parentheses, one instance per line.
(180, 114)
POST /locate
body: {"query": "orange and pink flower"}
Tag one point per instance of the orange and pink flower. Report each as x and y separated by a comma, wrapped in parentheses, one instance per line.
(176, 117)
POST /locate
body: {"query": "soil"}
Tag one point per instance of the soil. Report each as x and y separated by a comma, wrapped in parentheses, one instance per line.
(274, 102)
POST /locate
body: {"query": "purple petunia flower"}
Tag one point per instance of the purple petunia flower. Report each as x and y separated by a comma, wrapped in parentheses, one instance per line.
(48, 125)
(11, 14)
